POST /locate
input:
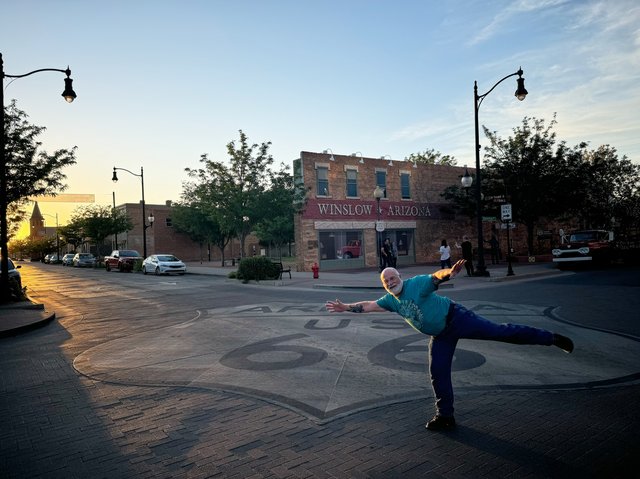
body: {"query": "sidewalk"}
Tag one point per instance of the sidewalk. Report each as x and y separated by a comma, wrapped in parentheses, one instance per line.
(16, 318)
(369, 278)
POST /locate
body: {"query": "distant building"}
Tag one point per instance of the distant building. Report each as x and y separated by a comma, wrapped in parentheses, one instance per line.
(163, 238)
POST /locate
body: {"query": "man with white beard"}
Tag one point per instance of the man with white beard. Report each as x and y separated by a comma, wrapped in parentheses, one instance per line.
(446, 322)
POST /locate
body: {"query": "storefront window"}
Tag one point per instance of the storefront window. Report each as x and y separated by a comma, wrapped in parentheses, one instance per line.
(403, 240)
(341, 245)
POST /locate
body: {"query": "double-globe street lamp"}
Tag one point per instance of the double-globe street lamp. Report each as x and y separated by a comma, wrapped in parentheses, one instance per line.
(68, 95)
(520, 94)
(151, 219)
(378, 193)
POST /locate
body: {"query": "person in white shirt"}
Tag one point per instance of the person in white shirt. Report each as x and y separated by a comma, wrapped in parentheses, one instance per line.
(445, 255)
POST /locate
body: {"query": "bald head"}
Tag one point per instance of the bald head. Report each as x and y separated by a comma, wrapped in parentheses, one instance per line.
(391, 280)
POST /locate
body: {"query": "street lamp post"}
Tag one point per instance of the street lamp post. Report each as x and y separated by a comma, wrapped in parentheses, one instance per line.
(68, 95)
(520, 94)
(114, 178)
(378, 193)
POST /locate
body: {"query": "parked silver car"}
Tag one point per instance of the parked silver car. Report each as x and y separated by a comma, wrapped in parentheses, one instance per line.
(67, 259)
(84, 259)
(162, 264)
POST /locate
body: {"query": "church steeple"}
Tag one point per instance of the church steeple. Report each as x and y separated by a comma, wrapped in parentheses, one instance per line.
(36, 223)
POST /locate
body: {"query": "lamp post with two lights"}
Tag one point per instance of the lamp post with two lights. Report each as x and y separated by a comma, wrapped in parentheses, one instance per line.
(69, 95)
(151, 218)
(378, 193)
(520, 94)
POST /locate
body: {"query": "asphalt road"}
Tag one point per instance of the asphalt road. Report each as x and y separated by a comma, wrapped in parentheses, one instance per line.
(197, 376)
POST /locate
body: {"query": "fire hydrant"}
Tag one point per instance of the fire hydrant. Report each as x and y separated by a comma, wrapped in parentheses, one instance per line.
(315, 270)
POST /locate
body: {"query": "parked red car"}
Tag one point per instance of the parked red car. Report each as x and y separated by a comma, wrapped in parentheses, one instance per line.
(122, 260)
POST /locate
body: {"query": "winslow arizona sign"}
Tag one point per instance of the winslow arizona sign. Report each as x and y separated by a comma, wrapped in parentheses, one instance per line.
(326, 209)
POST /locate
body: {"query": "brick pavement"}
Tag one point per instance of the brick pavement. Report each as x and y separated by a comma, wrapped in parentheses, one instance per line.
(59, 424)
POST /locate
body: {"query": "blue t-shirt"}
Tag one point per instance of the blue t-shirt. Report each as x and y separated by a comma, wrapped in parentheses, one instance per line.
(418, 305)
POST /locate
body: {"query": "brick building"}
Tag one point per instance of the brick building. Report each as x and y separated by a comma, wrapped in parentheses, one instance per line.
(337, 228)
(163, 238)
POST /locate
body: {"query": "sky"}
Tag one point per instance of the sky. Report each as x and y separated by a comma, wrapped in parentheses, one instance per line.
(161, 82)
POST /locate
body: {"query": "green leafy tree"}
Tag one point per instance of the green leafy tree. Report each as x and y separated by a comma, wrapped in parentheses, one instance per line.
(31, 171)
(71, 234)
(609, 188)
(280, 203)
(95, 223)
(537, 174)
(431, 157)
(235, 193)
(201, 225)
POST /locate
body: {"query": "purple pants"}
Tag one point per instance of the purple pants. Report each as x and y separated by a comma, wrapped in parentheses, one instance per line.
(463, 323)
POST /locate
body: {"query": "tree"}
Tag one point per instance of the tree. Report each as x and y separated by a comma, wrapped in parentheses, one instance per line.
(280, 203)
(235, 194)
(609, 188)
(30, 170)
(200, 225)
(538, 175)
(95, 223)
(431, 157)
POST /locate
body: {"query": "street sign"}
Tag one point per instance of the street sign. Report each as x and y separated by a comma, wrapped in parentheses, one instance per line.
(509, 225)
(505, 211)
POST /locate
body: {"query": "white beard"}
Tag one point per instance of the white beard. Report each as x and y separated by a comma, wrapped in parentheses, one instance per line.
(396, 291)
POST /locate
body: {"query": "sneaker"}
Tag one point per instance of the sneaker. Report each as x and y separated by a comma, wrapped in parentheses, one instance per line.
(563, 343)
(441, 423)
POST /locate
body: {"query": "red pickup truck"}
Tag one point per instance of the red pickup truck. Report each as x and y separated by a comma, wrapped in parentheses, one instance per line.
(352, 250)
(122, 260)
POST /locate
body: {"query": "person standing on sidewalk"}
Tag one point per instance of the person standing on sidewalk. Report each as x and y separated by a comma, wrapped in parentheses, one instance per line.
(467, 254)
(446, 322)
(445, 255)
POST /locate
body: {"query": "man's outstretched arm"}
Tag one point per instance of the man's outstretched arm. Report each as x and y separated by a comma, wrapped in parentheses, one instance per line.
(448, 273)
(338, 306)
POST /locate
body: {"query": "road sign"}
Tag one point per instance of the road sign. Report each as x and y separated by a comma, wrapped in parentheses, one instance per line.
(505, 211)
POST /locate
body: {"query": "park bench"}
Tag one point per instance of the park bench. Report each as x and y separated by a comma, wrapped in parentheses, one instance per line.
(283, 269)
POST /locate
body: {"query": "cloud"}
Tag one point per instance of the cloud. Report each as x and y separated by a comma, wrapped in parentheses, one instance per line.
(505, 16)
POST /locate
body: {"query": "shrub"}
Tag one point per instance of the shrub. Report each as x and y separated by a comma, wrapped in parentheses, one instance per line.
(257, 268)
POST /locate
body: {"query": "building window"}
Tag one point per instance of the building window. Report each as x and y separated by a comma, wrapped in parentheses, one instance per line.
(352, 183)
(168, 222)
(341, 245)
(381, 181)
(405, 190)
(322, 172)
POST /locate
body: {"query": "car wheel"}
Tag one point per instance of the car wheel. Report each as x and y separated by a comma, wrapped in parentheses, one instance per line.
(107, 267)
(157, 270)
(144, 269)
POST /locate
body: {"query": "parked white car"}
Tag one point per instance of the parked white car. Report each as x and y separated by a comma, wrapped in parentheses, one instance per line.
(163, 264)
(67, 259)
(84, 259)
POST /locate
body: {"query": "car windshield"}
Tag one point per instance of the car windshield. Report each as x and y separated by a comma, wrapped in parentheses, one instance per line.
(129, 253)
(167, 257)
(86, 255)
